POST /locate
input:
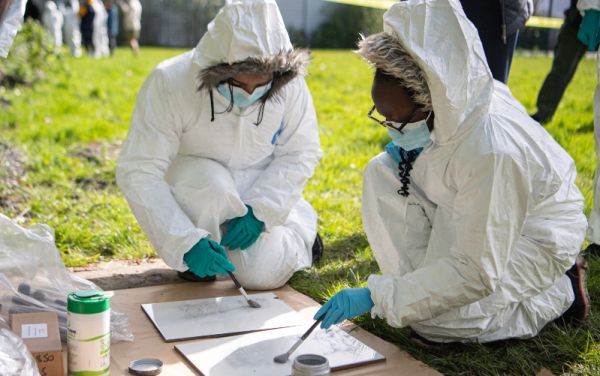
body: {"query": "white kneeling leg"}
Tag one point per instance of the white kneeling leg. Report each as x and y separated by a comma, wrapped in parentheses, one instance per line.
(278, 253)
(206, 192)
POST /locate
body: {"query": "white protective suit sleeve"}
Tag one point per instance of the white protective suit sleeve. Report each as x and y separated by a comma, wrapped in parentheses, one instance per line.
(11, 24)
(151, 145)
(297, 152)
(588, 4)
(490, 207)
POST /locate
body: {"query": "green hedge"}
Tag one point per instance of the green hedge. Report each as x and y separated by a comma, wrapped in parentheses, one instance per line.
(345, 24)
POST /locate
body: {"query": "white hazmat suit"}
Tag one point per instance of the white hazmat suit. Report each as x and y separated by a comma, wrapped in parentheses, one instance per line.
(53, 22)
(10, 24)
(593, 234)
(100, 35)
(184, 174)
(479, 249)
(72, 33)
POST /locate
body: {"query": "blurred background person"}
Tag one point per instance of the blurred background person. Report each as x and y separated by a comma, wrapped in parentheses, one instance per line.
(11, 17)
(87, 13)
(498, 23)
(567, 55)
(71, 28)
(112, 23)
(132, 22)
(52, 20)
(100, 33)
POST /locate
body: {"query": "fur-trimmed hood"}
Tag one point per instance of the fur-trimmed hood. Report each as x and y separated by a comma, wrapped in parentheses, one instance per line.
(248, 37)
(447, 49)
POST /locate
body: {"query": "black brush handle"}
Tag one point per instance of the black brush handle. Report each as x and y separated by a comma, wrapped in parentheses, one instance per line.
(237, 284)
(313, 326)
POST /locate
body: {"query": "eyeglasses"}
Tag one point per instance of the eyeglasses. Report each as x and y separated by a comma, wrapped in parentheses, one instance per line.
(390, 124)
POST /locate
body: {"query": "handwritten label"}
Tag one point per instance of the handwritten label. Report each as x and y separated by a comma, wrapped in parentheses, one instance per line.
(34, 331)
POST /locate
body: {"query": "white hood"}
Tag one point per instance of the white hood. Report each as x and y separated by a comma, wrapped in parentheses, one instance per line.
(249, 38)
(447, 48)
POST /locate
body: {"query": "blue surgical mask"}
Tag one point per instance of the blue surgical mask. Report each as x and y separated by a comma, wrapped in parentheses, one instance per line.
(242, 99)
(414, 135)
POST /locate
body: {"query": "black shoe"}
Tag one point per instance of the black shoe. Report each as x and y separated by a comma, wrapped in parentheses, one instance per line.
(424, 343)
(189, 276)
(317, 249)
(580, 309)
(592, 249)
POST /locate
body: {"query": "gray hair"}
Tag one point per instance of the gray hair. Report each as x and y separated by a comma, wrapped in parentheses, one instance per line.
(385, 53)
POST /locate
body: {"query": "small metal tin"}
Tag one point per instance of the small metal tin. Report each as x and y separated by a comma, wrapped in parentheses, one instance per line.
(310, 365)
(145, 366)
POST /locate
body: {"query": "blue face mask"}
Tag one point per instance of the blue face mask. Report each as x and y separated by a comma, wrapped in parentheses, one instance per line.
(242, 99)
(414, 135)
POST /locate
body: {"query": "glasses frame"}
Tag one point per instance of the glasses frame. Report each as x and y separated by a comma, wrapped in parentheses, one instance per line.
(389, 124)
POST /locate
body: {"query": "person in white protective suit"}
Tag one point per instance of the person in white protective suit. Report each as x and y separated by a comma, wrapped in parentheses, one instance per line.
(589, 35)
(53, 22)
(222, 142)
(100, 34)
(472, 212)
(72, 33)
(11, 19)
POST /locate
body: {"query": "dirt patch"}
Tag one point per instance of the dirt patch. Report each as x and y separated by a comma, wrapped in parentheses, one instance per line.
(117, 275)
(12, 171)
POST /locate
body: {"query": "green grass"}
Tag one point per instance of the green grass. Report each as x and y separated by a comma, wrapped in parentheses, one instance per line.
(69, 127)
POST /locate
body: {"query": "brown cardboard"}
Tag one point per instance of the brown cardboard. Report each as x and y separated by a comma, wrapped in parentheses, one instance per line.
(149, 344)
(39, 331)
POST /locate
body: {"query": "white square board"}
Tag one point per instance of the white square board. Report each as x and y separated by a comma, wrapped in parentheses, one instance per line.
(253, 353)
(213, 317)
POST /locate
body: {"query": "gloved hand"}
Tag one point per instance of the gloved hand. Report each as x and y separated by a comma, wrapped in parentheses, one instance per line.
(589, 31)
(346, 304)
(204, 260)
(242, 232)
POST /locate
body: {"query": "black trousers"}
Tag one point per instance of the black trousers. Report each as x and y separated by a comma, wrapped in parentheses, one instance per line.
(487, 17)
(567, 55)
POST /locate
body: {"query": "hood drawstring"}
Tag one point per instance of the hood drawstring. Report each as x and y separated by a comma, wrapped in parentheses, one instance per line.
(212, 106)
(404, 167)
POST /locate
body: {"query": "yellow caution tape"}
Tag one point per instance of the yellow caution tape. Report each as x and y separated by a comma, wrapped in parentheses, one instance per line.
(535, 21)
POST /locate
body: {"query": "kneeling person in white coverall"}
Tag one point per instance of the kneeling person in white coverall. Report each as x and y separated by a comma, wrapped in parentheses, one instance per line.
(222, 142)
(472, 212)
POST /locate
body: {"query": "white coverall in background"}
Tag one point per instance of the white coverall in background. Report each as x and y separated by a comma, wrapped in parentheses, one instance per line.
(72, 33)
(593, 234)
(10, 24)
(479, 249)
(100, 35)
(184, 174)
(53, 22)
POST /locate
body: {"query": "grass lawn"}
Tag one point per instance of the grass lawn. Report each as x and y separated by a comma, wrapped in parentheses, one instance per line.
(62, 137)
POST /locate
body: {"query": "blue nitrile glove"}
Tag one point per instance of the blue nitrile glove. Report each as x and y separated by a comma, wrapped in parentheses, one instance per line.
(242, 232)
(204, 260)
(589, 31)
(346, 304)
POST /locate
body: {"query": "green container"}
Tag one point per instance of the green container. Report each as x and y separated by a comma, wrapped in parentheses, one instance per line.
(88, 333)
(88, 302)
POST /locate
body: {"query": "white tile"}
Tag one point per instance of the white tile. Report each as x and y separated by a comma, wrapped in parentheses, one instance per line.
(253, 353)
(220, 316)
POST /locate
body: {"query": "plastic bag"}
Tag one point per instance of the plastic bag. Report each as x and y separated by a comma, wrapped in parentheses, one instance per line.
(15, 359)
(33, 277)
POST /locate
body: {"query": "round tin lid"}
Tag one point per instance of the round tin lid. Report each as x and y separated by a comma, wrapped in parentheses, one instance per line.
(145, 366)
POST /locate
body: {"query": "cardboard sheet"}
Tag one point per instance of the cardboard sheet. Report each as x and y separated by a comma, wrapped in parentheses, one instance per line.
(253, 353)
(149, 343)
(221, 316)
